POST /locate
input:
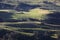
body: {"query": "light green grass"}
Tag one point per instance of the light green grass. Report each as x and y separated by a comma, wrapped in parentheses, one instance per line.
(36, 13)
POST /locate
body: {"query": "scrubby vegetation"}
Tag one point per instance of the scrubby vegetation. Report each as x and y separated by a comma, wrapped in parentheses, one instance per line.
(30, 20)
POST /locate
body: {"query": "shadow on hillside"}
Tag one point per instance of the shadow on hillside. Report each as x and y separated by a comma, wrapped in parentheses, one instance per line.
(4, 16)
(26, 7)
(51, 3)
(5, 35)
(6, 6)
(7, 17)
(20, 7)
(53, 18)
(27, 25)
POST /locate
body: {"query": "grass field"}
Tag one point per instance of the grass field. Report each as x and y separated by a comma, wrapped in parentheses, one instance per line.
(37, 13)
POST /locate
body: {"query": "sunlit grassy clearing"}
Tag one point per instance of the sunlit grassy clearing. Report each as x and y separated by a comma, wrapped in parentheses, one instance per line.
(36, 13)
(20, 16)
(39, 14)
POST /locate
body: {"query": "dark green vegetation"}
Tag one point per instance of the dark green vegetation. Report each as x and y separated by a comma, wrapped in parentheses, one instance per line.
(30, 21)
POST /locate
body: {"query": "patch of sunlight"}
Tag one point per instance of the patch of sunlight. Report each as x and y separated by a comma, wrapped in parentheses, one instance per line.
(20, 16)
(38, 13)
(54, 36)
(28, 34)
